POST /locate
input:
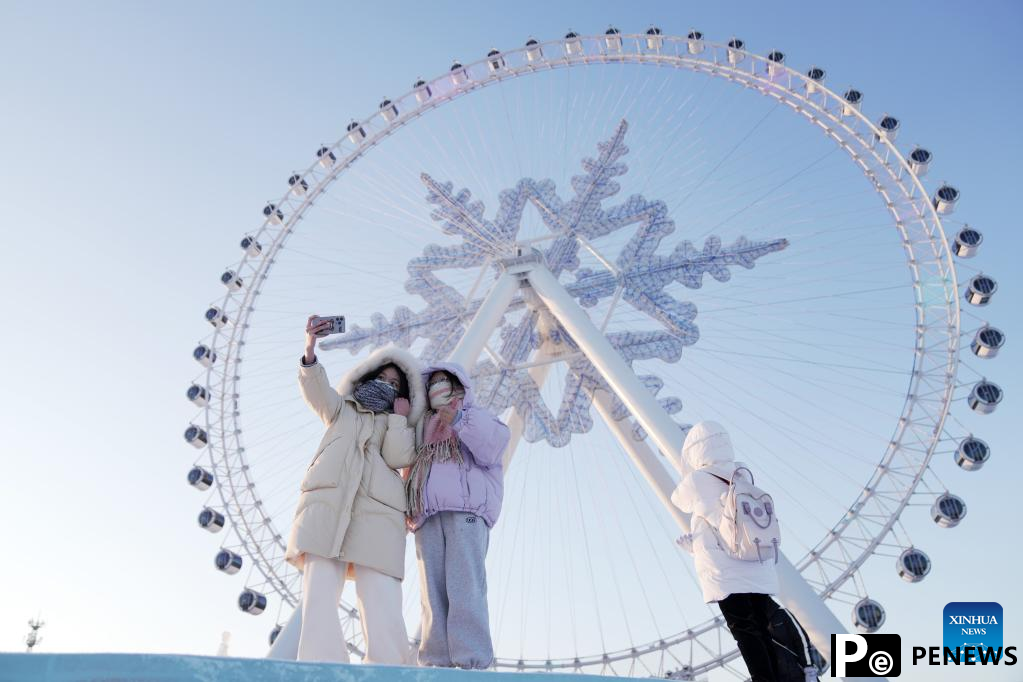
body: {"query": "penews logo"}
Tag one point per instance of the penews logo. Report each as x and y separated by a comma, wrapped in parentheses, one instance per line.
(972, 626)
(866, 655)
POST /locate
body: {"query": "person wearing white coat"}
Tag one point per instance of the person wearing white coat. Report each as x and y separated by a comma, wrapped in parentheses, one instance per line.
(350, 519)
(741, 589)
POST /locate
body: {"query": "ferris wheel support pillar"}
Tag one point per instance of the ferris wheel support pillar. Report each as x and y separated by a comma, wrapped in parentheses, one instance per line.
(488, 317)
(794, 592)
(623, 381)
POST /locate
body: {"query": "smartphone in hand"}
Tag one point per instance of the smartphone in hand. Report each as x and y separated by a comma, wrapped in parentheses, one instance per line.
(337, 324)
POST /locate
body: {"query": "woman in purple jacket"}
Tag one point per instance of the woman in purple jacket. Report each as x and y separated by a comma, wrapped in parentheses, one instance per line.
(455, 489)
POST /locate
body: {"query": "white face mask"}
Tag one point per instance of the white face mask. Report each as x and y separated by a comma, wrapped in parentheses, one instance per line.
(440, 393)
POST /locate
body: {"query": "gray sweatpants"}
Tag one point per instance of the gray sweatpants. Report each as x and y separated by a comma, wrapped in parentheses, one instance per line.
(452, 548)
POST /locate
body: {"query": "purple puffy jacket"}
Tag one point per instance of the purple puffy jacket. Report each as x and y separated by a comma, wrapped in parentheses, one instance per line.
(478, 484)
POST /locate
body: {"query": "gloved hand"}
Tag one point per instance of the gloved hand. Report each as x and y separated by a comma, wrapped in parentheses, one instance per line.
(401, 407)
(685, 542)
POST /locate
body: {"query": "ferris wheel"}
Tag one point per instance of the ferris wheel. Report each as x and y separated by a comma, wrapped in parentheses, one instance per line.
(625, 234)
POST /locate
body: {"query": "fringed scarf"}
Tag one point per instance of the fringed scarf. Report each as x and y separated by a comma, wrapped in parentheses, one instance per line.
(440, 443)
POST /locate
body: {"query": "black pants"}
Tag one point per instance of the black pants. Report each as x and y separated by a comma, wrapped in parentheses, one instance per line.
(748, 616)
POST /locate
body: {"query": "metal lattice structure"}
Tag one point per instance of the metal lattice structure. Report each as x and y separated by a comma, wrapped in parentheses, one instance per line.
(541, 332)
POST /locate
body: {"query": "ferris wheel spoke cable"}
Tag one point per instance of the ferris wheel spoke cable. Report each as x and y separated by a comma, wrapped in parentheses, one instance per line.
(830, 385)
(283, 458)
(344, 267)
(280, 387)
(743, 188)
(832, 178)
(570, 555)
(255, 443)
(743, 293)
(492, 173)
(608, 495)
(724, 397)
(768, 193)
(736, 183)
(618, 458)
(528, 565)
(445, 159)
(802, 299)
(387, 222)
(767, 313)
(670, 530)
(521, 469)
(377, 182)
(616, 580)
(548, 556)
(593, 128)
(854, 341)
(268, 412)
(785, 341)
(765, 308)
(976, 374)
(662, 103)
(373, 180)
(676, 135)
(586, 547)
(824, 439)
(296, 418)
(723, 159)
(723, 93)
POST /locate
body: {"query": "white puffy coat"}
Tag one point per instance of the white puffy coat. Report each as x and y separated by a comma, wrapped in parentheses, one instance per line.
(352, 503)
(709, 449)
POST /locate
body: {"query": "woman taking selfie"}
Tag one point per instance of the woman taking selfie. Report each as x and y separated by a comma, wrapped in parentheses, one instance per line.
(350, 520)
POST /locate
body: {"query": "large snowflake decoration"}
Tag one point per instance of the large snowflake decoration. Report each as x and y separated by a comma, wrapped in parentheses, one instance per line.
(638, 276)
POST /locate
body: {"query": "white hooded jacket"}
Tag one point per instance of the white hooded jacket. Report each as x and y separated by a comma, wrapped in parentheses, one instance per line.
(708, 451)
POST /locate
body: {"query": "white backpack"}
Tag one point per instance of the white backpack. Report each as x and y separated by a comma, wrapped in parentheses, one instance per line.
(749, 528)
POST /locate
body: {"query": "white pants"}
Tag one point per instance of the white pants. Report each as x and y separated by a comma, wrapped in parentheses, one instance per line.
(314, 631)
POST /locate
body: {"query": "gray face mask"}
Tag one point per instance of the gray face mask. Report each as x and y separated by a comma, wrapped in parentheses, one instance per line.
(376, 395)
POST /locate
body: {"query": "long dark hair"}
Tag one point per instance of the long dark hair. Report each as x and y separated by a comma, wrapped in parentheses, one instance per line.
(403, 390)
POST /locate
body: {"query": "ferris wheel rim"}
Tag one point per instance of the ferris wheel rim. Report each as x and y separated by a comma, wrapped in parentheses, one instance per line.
(750, 78)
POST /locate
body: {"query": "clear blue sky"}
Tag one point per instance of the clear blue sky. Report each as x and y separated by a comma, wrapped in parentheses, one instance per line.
(138, 140)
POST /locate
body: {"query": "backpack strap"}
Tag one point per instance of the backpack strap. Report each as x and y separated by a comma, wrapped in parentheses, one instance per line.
(746, 469)
(727, 481)
(721, 478)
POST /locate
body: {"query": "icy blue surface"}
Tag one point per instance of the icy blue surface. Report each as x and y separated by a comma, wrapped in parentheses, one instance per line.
(164, 668)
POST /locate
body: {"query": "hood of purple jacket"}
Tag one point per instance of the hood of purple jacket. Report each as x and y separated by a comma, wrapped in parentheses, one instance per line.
(459, 372)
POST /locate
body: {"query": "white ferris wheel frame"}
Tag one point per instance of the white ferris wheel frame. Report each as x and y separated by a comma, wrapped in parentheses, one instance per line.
(822, 572)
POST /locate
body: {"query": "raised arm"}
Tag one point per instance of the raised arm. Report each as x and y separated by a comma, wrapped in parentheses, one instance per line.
(312, 378)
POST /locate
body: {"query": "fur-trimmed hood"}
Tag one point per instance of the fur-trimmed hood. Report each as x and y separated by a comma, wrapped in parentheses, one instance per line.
(405, 360)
